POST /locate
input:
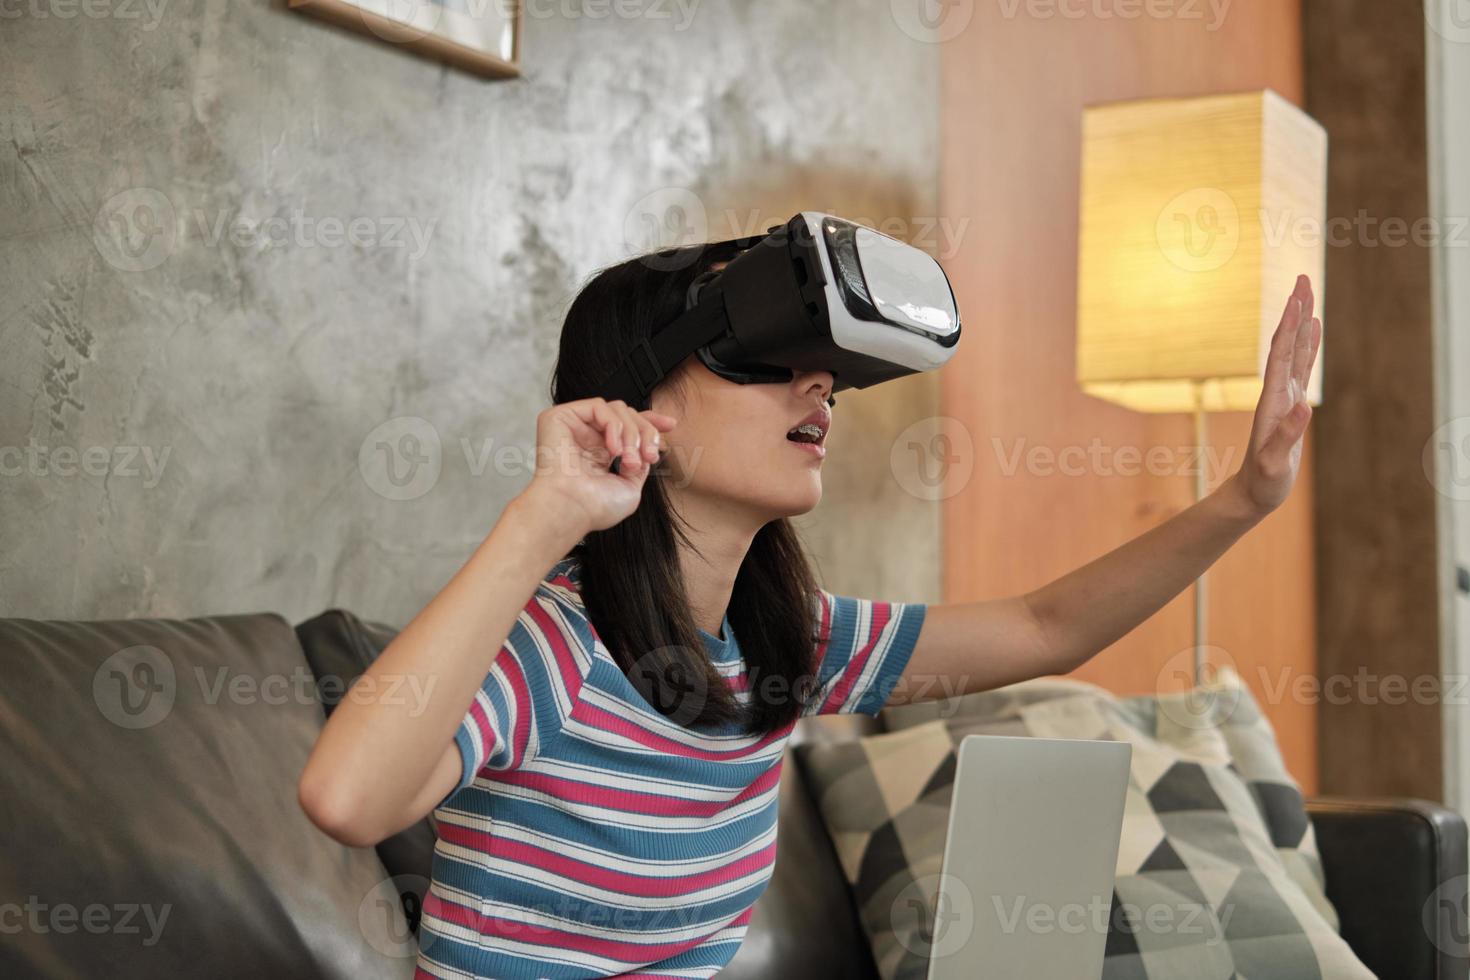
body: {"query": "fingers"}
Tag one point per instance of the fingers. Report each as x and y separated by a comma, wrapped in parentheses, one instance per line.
(1303, 351)
(632, 439)
(1315, 345)
(1280, 361)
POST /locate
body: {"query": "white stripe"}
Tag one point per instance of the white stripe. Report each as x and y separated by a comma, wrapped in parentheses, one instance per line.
(670, 908)
(614, 779)
(618, 818)
(614, 860)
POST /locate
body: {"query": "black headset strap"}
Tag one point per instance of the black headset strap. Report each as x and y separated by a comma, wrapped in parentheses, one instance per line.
(650, 361)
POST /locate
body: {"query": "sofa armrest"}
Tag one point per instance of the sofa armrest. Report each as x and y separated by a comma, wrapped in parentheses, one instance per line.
(1396, 872)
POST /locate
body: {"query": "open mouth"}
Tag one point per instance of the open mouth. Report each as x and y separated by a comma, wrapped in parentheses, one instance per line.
(808, 432)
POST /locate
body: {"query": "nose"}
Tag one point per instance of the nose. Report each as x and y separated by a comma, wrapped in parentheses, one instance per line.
(807, 382)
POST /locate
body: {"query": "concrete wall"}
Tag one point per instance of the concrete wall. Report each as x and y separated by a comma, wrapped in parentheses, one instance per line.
(200, 371)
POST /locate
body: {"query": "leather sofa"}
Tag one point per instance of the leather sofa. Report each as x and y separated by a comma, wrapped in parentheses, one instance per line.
(149, 813)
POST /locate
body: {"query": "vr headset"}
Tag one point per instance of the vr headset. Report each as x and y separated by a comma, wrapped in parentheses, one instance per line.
(817, 293)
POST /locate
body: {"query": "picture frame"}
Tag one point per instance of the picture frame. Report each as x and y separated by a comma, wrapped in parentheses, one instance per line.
(479, 36)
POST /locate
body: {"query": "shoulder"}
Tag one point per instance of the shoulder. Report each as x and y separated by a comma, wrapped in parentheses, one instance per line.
(553, 627)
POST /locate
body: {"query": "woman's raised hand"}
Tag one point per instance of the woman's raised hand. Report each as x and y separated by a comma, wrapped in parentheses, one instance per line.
(1274, 453)
(577, 441)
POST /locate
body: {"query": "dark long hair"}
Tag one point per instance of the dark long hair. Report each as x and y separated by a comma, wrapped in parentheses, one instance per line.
(631, 581)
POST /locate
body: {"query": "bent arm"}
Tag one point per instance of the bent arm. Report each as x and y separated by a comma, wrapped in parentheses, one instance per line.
(977, 646)
(384, 760)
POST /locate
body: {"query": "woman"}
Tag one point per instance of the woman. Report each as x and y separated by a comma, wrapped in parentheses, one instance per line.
(613, 674)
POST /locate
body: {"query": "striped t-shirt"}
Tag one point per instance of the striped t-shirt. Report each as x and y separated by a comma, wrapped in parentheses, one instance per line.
(590, 835)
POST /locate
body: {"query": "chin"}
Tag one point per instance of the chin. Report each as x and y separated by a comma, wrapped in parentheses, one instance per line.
(796, 504)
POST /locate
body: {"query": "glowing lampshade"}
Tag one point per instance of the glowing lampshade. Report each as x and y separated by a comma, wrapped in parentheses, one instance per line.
(1196, 217)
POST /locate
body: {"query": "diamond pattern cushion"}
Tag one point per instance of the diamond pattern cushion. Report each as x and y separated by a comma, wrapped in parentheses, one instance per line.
(1218, 874)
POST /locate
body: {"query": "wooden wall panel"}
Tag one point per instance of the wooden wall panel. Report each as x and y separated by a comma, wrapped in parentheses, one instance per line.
(1014, 84)
(1379, 601)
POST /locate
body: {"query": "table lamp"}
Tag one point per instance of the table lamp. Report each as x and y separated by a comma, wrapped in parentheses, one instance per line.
(1196, 216)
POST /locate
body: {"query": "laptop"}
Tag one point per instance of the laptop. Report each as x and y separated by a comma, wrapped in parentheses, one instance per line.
(1027, 881)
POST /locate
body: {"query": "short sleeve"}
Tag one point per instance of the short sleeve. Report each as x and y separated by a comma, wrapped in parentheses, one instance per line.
(863, 646)
(528, 693)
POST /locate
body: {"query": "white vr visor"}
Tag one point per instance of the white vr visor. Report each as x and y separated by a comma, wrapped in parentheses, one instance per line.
(817, 294)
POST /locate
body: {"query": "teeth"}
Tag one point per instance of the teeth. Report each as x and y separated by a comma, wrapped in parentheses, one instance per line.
(806, 432)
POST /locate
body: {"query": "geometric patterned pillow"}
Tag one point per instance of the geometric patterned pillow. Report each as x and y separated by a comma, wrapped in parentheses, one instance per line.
(1218, 873)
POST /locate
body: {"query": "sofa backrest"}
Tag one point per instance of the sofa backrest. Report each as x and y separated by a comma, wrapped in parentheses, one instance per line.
(149, 811)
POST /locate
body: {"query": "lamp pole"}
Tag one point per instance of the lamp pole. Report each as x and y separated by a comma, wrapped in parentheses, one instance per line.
(1201, 585)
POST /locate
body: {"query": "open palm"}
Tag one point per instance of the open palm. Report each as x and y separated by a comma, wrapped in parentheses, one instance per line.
(1274, 453)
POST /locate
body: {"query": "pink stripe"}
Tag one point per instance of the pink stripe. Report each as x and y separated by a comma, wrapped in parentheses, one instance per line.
(629, 801)
(854, 668)
(616, 724)
(563, 660)
(622, 882)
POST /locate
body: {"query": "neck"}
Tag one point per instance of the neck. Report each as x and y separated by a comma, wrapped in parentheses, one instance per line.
(722, 536)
